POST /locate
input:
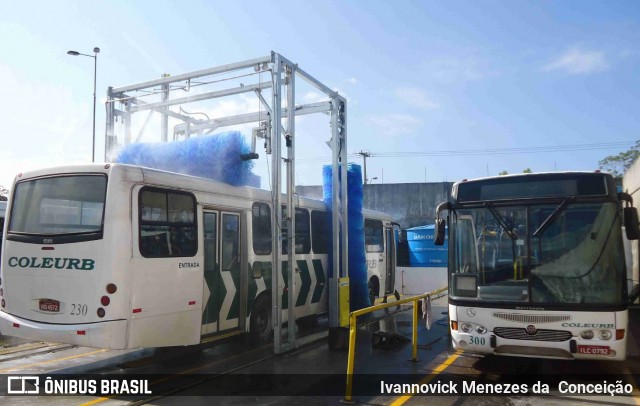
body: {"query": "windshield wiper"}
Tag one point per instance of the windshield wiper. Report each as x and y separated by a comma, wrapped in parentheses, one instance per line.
(547, 222)
(501, 221)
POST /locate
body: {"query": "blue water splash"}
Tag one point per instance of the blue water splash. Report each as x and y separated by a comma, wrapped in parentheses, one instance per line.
(214, 157)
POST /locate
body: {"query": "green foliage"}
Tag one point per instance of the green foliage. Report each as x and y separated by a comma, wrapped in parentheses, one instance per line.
(528, 170)
(503, 173)
(617, 165)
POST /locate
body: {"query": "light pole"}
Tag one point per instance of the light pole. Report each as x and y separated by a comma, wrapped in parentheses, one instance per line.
(95, 71)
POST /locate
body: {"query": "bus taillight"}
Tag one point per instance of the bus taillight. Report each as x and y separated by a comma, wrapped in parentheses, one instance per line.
(81, 332)
(104, 300)
(101, 312)
(454, 325)
(620, 334)
(111, 288)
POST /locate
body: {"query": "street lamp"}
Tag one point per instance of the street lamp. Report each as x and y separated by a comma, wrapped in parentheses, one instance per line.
(374, 178)
(95, 70)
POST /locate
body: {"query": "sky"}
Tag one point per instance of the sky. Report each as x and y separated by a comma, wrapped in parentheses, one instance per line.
(436, 91)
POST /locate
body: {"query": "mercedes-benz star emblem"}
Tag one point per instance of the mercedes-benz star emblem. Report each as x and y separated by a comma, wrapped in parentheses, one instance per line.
(471, 312)
(531, 329)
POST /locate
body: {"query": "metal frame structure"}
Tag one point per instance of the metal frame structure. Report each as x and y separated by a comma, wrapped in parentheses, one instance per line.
(123, 102)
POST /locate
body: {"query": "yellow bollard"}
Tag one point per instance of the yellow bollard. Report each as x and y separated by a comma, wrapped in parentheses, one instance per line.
(414, 336)
(352, 356)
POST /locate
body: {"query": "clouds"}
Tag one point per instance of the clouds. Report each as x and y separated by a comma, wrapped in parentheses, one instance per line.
(415, 98)
(578, 62)
(395, 124)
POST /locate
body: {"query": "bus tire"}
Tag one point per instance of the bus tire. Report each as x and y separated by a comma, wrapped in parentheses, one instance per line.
(260, 325)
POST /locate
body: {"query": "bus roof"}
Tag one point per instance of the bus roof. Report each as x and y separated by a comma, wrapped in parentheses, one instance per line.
(159, 177)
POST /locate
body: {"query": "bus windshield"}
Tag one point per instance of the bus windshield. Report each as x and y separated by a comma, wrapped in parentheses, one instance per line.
(563, 253)
(59, 205)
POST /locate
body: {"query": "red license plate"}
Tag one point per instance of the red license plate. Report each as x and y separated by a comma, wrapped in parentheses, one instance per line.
(593, 349)
(49, 305)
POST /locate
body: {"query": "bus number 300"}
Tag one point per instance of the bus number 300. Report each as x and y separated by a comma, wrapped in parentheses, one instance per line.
(78, 309)
(477, 340)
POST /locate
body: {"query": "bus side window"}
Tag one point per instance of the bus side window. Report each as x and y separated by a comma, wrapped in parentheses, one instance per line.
(302, 232)
(373, 237)
(261, 228)
(167, 224)
(320, 235)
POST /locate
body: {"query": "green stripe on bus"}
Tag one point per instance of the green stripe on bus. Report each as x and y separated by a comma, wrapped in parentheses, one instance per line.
(306, 283)
(252, 291)
(217, 292)
(320, 280)
(285, 291)
(234, 311)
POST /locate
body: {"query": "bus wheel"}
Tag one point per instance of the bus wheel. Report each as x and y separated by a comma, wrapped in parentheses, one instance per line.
(260, 327)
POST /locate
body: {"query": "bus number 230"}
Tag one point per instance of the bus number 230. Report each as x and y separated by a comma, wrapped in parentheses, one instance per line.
(78, 309)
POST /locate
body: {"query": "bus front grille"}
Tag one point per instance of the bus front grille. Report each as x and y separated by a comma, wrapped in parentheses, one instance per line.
(532, 318)
(513, 333)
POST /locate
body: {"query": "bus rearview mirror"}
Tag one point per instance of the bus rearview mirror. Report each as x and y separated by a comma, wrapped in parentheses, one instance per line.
(439, 230)
(631, 223)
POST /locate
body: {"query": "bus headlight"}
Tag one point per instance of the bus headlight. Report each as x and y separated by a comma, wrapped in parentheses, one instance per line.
(605, 334)
(471, 327)
(587, 334)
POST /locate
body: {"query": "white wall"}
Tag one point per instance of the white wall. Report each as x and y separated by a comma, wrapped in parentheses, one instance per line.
(412, 281)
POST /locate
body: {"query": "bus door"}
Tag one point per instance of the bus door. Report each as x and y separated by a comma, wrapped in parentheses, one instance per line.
(221, 301)
(390, 257)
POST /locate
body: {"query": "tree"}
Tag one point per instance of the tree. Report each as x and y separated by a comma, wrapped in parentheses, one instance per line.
(3, 193)
(617, 165)
(503, 173)
(528, 170)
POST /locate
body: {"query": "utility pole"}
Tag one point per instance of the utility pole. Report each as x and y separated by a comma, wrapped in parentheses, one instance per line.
(364, 156)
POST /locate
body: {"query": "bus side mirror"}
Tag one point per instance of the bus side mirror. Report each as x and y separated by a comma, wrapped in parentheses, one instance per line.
(631, 223)
(439, 232)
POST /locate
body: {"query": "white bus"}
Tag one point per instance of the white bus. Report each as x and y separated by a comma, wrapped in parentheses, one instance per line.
(536, 265)
(118, 256)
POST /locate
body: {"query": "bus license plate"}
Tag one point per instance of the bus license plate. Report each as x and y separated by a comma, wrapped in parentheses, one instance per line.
(593, 349)
(49, 305)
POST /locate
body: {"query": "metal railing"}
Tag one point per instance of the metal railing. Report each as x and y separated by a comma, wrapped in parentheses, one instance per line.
(353, 328)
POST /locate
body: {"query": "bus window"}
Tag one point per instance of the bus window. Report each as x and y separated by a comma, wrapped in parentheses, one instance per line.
(59, 205)
(302, 231)
(320, 232)
(261, 226)
(167, 224)
(373, 235)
